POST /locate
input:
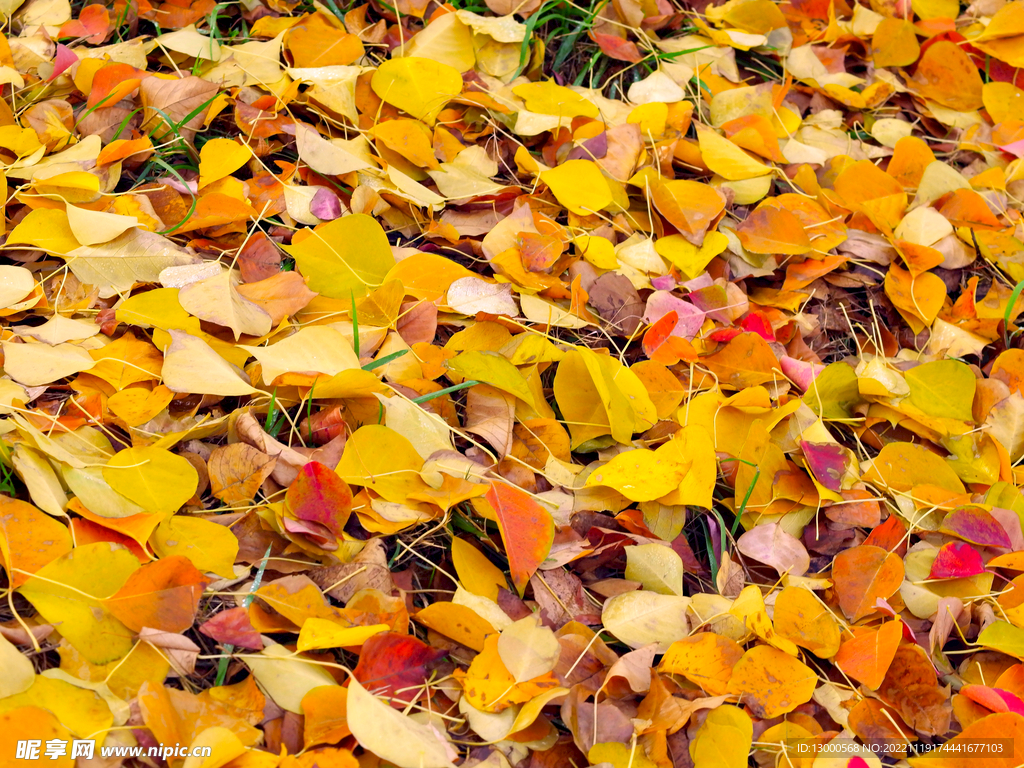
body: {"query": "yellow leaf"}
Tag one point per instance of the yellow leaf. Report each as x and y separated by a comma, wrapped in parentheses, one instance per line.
(393, 736)
(219, 158)
(657, 567)
(134, 256)
(16, 283)
(550, 98)
(490, 687)
(136, 405)
(1003, 101)
(772, 682)
(619, 755)
(19, 674)
(223, 744)
(528, 649)
(802, 618)
(287, 677)
(726, 159)
(37, 364)
(324, 156)
(314, 349)
(705, 659)
(158, 308)
(92, 227)
(589, 399)
(477, 574)
(749, 608)
(45, 228)
(379, 458)
(155, 479)
(70, 592)
(639, 475)
(409, 138)
(599, 251)
(723, 740)
(191, 365)
(212, 548)
(217, 300)
(324, 633)
(81, 711)
(418, 86)
(580, 186)
(40, 479)
(460, 623)
(642, 618)
(494, 369)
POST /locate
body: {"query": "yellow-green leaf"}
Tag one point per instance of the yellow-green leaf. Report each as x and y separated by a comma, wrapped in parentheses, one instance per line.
(345, 257)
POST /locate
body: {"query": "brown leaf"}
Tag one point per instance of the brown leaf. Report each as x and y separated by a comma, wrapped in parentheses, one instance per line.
(912, 689)
(618, 303)
(175, 99)
(237, 471)
(368, 570)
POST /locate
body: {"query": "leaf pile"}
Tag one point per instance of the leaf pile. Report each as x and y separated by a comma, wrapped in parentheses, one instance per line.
(529, 384)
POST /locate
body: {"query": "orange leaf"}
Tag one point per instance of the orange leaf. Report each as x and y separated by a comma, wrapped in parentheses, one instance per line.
(29, 539)
(163, 595)
(689, 206)
(526, 529)
(773, 230)
(92, 23)
(745, 361)
(866, 658)
(316, 42)
(947, 75)
(112, 83)
(863, 575)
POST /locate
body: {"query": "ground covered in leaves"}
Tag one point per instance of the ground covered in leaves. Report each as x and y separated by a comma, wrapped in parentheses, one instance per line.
(529, 384)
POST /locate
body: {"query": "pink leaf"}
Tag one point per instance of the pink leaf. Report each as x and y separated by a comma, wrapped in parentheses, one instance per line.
(65, 58)
(976, 526)
(325, 205)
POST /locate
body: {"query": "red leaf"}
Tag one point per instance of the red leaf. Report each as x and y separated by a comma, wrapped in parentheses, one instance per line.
(232, 626)
(318, 495)
(526, 529)
(724, 335)
(757, 322)
(396, 666)
(827, 461)
(617, 48)
(956, 560)
(659, 332)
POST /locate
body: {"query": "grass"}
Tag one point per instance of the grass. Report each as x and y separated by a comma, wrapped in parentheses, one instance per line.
(222, 665)
(1008, 312)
